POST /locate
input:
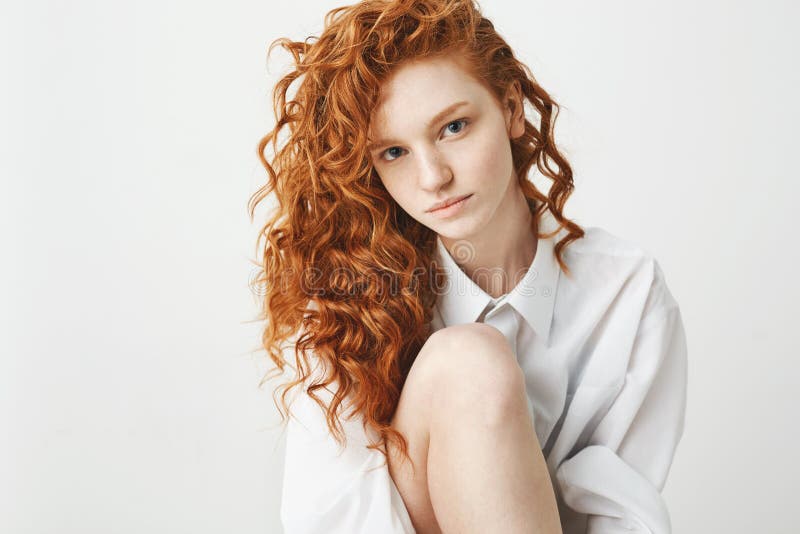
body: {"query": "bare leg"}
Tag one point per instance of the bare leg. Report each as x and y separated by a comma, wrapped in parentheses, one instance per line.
(479, 467)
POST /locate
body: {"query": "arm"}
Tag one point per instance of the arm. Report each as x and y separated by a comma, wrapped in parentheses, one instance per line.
(617, 479)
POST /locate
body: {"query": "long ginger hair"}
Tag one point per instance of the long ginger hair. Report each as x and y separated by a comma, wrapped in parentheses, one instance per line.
(346, 276)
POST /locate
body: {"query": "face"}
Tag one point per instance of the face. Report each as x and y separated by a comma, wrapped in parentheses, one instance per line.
(438, 134)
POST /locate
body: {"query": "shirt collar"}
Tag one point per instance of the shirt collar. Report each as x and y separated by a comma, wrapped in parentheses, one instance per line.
(462, 301)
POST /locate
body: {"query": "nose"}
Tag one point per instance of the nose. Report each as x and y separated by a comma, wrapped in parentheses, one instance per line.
(434, 171)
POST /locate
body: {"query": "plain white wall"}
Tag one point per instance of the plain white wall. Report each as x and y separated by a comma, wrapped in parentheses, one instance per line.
(128, 377)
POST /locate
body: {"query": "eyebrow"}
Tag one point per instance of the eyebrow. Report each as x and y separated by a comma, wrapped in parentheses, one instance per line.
(436, 118)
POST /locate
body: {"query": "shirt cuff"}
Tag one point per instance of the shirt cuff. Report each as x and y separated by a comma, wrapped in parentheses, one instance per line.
(616, 497)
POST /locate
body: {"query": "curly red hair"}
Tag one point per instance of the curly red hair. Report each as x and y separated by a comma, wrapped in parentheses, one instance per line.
(345, 274)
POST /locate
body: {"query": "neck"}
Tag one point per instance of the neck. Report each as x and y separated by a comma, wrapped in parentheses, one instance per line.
(498, 265)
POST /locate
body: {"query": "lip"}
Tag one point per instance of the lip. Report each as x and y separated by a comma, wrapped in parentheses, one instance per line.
(450, 210)
(447, 202)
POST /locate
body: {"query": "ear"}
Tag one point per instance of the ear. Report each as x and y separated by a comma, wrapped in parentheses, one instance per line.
(514, 110)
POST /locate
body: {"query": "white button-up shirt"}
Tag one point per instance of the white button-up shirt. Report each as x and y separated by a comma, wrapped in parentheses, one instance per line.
(605, 360)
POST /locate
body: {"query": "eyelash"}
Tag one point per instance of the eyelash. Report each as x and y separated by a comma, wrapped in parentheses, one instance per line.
(463, 119)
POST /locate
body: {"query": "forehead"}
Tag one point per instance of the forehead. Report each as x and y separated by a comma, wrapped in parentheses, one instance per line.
(419, 89)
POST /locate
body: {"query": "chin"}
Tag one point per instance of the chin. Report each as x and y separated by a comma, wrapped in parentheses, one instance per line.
(456, 230)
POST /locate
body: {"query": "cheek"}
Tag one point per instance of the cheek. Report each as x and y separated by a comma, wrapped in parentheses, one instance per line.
(489, 157)
(399, 190)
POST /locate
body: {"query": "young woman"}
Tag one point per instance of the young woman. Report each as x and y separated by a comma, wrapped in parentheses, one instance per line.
(464, 358)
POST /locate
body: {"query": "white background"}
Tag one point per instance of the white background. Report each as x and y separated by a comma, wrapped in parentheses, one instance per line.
(129, 373)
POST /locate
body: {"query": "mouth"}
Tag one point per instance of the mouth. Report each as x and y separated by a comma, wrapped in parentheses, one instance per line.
(447, 203)
(455, 207)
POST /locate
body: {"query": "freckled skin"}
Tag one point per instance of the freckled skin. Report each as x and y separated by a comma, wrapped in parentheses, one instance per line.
(449, 158)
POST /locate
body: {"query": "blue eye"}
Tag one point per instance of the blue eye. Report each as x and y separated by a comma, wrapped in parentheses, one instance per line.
(447, 128)
(388, 150)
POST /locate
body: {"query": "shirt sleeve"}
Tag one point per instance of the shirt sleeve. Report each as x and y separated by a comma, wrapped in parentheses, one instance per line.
(618, 477)
(328, 489)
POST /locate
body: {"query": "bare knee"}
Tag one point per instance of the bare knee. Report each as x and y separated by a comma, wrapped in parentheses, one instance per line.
(471, 367)
(465, 370)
